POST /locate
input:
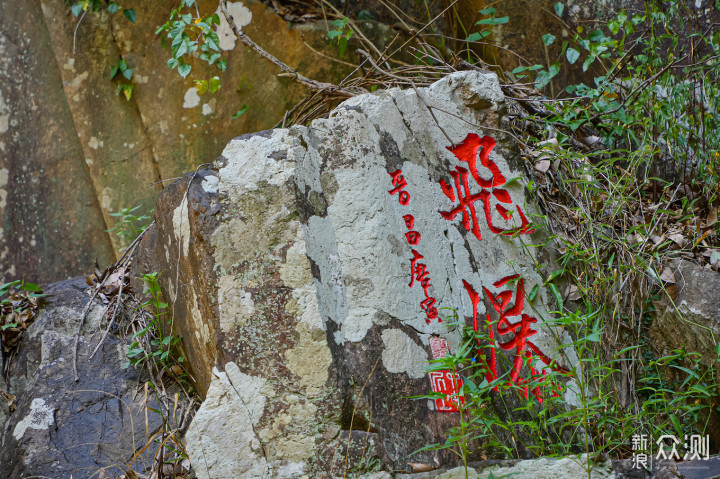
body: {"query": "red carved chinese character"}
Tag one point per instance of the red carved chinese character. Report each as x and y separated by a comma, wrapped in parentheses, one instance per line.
(398, 181)
(430, 310)
(419, 272)
(450, 384)
(521, 330)
(413, 237)
(409, 221)
(439, 347)
(467, 152)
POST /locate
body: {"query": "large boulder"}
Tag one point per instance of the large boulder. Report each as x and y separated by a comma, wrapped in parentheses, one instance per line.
(314, 271)
(62, 428)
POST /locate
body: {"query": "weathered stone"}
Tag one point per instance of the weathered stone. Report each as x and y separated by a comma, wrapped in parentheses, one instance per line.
(289, 261)
(117, 150)
(52, 226)
(542, 468)
(693, 321)
(61, 428)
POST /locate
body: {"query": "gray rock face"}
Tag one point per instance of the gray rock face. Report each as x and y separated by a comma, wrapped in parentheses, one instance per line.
(694, 319)
(312, 269)
(61, 428)
(691, 322)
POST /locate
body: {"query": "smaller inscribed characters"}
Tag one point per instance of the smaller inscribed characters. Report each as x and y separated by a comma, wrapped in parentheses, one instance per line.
(446, 382)
(418, 270)
(490, 192)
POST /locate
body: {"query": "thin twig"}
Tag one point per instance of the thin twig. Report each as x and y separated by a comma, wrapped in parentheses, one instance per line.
(286, 70)
(352, 418)
(94, 295)
(76, 29)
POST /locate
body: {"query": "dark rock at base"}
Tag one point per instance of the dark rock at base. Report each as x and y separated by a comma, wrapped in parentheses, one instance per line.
(62, 427)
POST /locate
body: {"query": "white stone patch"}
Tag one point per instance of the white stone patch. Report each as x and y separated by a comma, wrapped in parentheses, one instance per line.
(295, 273)
(69, 65)
(221, 440)
(191, 99)
(41, 416)
(199, 325)
(210, 183)
(4, 176)
(95, 143)
(251, 161)
(242, 17)
(78, 80)
(106, 200)
(402, 354)
(206, 109)
(235, 304)
(181, 225)
(4, 117)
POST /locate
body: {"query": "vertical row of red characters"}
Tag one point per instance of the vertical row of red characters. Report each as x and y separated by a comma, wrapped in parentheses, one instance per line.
(490, 194)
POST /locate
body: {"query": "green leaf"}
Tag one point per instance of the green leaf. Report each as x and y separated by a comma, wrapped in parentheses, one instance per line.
(559, 8)
(548, 38)
(127, 73)
(342, 46)
(334, 33)
(596, 36)
(533, 292)
(130, 14)
(614, 26)
(76, 8)
(222, 65)
(554, 275)
(365, 15)
(134, 352)
(201, 86)
(113, 7)
(556, 294)
(676, 424)
(172, 63)
(545, 77)
(184, 69)
(214, 84)
(32, 287)
(113, 73)
(212, 40)
(493, 21)
(11, 325)
(572, 55)
(488, 11)
(240, 111)
(477, 36)
(588, 61)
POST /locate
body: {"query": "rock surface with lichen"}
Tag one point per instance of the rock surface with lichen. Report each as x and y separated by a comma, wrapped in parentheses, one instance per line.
(287, 266)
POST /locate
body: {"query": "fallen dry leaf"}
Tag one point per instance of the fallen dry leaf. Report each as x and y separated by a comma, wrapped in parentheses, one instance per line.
(420, 467)
(678, 239)
(572, 293)
(667, 275)
(712, 217)
(542, 166)
(550, 143)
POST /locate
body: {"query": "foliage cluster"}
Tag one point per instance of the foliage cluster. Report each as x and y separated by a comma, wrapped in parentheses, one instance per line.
(627, 173)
